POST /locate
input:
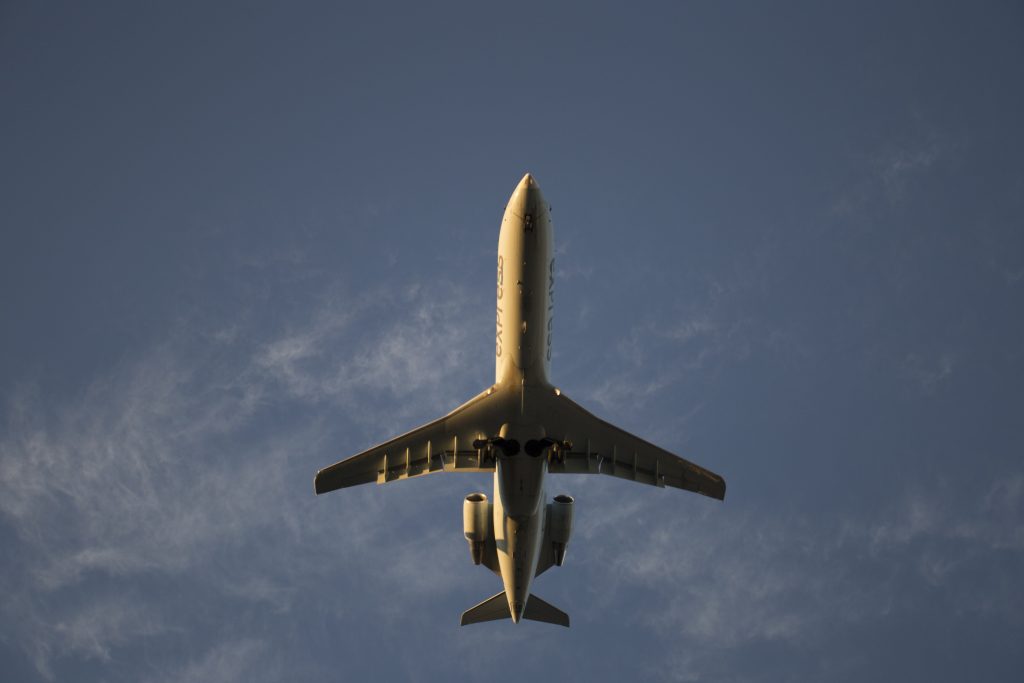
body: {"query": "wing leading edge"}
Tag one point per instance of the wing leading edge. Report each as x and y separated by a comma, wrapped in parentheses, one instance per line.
(444, 445)
(602, 448)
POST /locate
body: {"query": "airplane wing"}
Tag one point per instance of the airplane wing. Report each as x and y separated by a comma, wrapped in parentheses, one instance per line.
(602, 448)
(444, 445)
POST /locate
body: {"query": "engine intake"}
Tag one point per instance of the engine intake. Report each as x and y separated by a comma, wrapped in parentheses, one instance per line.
(560, 512)
(476, 524)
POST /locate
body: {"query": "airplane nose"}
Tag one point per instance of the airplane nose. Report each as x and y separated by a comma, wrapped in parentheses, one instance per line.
(528, 183)
(527, 197)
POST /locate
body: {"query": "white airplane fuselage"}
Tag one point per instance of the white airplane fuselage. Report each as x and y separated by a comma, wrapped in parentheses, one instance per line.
(525, 301)
(522, 429)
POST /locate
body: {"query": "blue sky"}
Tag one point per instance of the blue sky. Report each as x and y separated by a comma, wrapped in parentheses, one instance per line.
(241, 241)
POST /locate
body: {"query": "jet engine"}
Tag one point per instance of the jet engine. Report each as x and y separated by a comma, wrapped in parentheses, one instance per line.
(560, 519)
(476, 524)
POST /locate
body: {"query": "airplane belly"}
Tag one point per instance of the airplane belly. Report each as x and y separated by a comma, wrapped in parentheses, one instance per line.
(525, 288)
(517, 536)
(522, 427)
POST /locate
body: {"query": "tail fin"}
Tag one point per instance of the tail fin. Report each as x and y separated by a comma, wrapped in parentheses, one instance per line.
(496, 607)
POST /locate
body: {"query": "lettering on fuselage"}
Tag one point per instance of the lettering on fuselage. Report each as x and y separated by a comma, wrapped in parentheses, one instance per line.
(501, 291)
(551, 303)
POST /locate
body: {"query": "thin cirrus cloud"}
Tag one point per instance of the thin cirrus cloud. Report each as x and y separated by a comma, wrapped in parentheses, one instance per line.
(159, 480)
(155, 477)
(248, 659)
(318, 362)
(887, 174)
(733, 579)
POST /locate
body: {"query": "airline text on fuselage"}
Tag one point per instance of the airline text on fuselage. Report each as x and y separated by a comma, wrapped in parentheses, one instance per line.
(501, 291)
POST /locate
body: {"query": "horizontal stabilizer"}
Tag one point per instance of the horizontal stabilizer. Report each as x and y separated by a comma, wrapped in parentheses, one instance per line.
(496, 607)
(538, 610)
(491, 609)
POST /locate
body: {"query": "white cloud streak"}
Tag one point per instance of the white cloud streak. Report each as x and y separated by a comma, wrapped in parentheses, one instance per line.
(246, 659)
(725, 579)
(163, 474)
(159, 473)
(929, 371)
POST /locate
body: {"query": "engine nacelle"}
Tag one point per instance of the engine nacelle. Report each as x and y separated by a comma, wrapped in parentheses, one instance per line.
(476, 524)
(560, 519)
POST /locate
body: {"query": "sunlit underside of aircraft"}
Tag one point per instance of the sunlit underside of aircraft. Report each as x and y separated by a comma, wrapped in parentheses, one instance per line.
(521, 428)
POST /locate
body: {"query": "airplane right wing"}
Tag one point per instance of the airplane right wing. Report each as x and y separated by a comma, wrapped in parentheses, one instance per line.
(598, 447)
(444, 445)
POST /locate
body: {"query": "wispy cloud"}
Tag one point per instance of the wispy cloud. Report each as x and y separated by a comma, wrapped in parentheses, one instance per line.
(928, 371)
(1012, 277)
(332, 358)
(888, 174)
(246, 659)
(681, 348)
(161, 473)
(896, 166)
(178, 474)
(729, 578)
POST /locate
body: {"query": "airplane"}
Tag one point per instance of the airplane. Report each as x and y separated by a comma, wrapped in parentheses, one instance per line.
(521, 428)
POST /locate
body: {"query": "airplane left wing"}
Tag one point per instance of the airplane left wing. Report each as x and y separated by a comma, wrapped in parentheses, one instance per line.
(444, 445)
(599, 447)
